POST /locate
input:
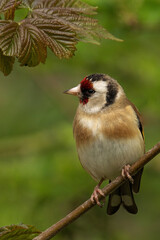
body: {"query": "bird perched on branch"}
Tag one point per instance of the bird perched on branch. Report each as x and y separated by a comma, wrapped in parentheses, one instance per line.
(109, 137)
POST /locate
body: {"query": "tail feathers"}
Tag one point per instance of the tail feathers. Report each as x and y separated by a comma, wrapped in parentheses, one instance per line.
(137, 181)
(114, 202)
(127, 198)
(123, 195)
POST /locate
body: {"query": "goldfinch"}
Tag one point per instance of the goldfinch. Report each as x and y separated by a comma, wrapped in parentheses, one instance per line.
(109, 137)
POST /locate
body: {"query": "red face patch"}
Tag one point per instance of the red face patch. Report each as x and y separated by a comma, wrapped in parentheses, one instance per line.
(84, 100)
(85, 86)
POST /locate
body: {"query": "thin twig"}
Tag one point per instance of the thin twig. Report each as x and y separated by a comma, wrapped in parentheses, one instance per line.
(54, 229)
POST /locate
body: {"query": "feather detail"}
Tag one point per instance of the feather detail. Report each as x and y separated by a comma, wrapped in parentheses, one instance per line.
(117, 121)
(122, 196)
(114, 202)
(139, 118)
(127, 198)
(137, 181)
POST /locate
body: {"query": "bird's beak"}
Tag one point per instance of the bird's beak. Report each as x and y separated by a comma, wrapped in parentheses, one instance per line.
(73, 91)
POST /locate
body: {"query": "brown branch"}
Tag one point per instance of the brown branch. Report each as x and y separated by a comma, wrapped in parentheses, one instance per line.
(54, 229)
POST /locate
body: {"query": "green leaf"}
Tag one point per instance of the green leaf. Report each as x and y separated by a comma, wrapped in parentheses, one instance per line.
(9, 41)
(18, 232)
(6, 63)
(33, 45)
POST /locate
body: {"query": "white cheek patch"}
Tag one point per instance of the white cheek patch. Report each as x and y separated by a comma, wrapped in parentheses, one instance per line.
(100, 86)
(120, 93)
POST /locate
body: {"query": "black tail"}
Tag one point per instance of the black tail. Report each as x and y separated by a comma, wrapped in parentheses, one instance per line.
(124, 195)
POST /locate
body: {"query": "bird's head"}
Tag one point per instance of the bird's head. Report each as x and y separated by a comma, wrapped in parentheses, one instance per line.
(96, 91)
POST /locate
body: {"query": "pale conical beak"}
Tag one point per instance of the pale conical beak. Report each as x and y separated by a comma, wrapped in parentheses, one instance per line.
(73, 91)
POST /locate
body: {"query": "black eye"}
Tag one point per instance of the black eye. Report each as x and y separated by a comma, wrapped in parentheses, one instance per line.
(91, 91)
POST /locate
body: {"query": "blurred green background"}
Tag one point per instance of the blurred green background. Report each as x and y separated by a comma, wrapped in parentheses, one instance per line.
(41, 179)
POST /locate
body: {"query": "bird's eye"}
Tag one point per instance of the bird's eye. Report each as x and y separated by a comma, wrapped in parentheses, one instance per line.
(90, 91)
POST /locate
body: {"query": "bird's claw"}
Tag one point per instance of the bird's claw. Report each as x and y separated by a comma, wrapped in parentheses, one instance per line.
(125, 173)
(95, 196)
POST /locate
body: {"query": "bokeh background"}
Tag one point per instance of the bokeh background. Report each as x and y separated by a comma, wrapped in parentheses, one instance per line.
(41, 179)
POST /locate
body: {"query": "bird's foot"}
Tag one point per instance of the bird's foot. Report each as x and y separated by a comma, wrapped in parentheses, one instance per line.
(125, 173)
(95, 196)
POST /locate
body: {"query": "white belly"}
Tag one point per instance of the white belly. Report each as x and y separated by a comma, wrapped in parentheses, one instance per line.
(105, 158)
